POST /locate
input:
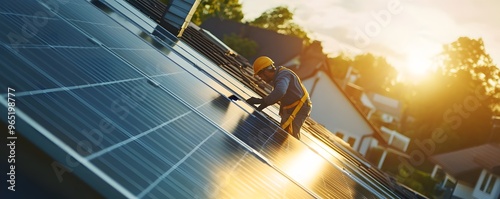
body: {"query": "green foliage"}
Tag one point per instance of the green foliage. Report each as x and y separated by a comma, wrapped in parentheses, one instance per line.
(415, 179)
(376, 74)
(280, 19)
(458, 98)
(468, 58)
(273, 18)
(339, 66)
(243, 46)
(419, 181)
(225, 9)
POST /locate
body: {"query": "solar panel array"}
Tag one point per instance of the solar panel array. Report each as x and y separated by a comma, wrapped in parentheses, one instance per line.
(145, 121)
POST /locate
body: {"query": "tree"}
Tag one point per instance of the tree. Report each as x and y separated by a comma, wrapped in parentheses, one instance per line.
(458, 97)
(280, 19)
(225, 9)
(339, 66)
(469, 56)
(376, 74)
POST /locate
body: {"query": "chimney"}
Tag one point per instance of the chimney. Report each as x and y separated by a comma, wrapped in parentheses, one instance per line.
(178, 15)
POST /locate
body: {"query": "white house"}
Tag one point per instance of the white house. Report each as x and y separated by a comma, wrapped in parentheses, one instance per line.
(336, 112)
(474, 172)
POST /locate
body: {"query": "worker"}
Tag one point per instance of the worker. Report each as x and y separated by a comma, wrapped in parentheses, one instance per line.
(295, 105)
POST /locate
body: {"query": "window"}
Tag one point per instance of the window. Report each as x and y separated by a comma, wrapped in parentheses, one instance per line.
(491, 184)
(488, 183)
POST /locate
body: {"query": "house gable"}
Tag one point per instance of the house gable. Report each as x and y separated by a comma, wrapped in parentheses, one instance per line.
(333, 109)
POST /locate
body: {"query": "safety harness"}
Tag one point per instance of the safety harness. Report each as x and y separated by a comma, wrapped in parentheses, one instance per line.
(287, 125)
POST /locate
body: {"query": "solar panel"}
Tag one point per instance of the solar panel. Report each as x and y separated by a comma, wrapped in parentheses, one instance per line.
(149, 123)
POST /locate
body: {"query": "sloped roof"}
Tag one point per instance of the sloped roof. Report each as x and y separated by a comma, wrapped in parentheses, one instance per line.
(312, 59)
(460, 162)
(281, 48)
(386, 104)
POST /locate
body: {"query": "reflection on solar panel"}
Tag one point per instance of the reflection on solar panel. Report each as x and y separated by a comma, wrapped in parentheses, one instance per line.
(137, 119)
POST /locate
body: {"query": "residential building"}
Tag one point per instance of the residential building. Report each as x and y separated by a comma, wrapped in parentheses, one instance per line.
(473, 172)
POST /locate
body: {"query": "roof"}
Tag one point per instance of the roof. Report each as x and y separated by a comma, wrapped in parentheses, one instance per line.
(312, 59)
(133, 113)
(386, 104)
(281, 48)
(463, 161)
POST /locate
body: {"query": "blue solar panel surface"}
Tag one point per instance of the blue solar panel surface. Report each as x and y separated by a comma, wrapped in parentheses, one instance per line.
(151, 122)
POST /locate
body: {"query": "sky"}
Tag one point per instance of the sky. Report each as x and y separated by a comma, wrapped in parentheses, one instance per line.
(406, 32)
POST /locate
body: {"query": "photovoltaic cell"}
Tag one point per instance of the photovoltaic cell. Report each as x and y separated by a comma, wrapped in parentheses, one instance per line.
(90, 16)
(40, 31)
(26, 7)
(14, 34)
(64, 121)
(221, 168)
(129, 103)
(181, 82)
(149, 61)
(111, 36)
(21, 74)
(67, 67)
(145, 159)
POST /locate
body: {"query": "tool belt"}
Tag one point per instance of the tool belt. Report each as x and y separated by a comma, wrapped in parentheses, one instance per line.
(287, 125)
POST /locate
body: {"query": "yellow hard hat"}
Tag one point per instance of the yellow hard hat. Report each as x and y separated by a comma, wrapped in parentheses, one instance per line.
(261, 63)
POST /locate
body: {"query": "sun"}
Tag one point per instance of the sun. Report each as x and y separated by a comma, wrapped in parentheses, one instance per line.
(418, 64)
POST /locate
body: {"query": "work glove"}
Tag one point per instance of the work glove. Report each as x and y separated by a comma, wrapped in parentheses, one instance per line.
(254, 100)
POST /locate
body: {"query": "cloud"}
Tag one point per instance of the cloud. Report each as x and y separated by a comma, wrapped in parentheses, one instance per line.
(423, 25)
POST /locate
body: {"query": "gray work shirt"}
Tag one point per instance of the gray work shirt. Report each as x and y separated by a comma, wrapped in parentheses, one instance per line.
(286, 88)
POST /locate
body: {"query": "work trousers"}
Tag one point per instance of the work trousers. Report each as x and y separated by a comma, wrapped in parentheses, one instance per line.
(299, 120)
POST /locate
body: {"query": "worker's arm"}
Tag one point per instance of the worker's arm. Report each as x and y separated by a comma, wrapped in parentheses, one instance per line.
(254, 100)
(280, 87)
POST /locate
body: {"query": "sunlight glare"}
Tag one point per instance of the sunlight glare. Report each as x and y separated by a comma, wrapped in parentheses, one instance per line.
(305, 167)
(418, 64)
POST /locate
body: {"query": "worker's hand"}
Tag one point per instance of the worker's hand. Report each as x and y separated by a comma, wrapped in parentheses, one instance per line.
(254, 100)
(262, 106)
